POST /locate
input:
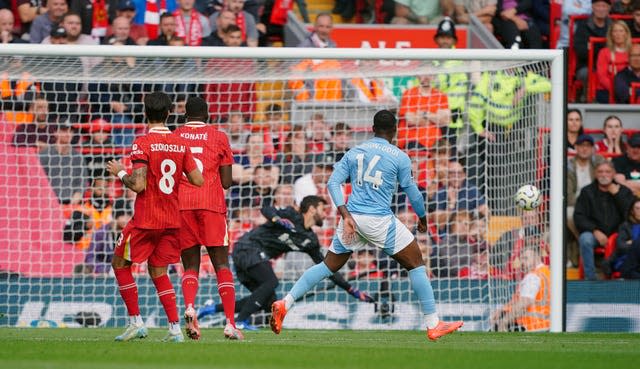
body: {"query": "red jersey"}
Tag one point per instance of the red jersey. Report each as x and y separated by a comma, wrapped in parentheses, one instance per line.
(166, 157)
(211, 150)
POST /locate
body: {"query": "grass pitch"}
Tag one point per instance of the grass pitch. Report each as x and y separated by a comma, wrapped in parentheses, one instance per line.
(293, 349)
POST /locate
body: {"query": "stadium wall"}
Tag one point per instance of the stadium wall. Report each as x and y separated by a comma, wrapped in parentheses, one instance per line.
(611, 306)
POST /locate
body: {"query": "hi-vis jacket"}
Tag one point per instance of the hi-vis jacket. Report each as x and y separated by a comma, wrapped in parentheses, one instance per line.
(493, 99)
(456, 86)
(537, 316)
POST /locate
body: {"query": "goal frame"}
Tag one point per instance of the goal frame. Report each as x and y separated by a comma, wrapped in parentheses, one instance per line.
(554, 57)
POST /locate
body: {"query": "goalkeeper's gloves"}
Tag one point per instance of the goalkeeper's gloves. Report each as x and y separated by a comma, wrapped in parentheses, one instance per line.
(362, 296)
(284, 222)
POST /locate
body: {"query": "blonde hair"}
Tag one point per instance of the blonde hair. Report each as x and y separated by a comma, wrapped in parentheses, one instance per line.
(627, 43)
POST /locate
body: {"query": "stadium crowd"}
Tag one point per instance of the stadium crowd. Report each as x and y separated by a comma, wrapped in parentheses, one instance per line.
(78, 126)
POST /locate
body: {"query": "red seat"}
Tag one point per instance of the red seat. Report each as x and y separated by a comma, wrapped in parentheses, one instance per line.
(592, 79)
(606, 252)
(633, 93)
(574, 85)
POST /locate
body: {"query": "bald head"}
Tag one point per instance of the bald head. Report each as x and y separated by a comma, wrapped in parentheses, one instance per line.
(6, 20)
(121, 27)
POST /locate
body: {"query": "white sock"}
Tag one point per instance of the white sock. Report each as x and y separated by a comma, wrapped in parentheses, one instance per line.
(432, 320)
(174, 328)
(288, 302)
(136, 319)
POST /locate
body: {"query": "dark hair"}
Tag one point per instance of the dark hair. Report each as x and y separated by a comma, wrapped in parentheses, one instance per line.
(310, 201)
(156, 106)
(287, 147)
(630, 212)
(68, 14)
(196, 108)
(165, 15)
(384, 121)
(341, 127)
(232, 28)
(574, 111)
(273, 109)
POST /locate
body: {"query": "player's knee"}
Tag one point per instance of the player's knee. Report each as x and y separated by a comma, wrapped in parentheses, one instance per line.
(118, 262)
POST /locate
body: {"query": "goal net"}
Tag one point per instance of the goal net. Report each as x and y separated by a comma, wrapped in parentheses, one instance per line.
(476, 129)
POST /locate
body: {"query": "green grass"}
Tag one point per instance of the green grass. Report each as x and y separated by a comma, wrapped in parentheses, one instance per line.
(95, 349)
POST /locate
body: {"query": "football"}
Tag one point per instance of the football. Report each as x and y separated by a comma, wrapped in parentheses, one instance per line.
(528, 197)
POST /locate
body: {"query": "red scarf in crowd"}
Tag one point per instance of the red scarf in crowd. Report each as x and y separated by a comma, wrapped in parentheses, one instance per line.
(100, 19)
(152, 17)
(241, 24)
(194, 38)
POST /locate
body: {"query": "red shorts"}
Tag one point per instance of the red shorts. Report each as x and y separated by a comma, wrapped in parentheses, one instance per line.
(160, 247)
(203, 227)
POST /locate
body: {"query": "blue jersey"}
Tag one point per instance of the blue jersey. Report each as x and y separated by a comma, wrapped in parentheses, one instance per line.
(375, 168)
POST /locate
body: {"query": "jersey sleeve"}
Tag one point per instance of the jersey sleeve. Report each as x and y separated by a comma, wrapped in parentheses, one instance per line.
(139, 154)
(226, 157)
(338, 177)
(188, 164)
(405, 178)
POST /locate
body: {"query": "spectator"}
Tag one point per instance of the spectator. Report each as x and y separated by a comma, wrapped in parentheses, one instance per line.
(72, 24)
(321, 35)
(41, 132)
(580, 173)
(98, 256)
(274, 18)
(529, 308)
(455, 250)
(628, 165)
(574, 129)
(612, 144)
(634, 22)
(43, 23)
(315, 183)
(628, 238)
(484, 10)
(569, 8)
(612, 59)
(622, 7)
(417, 12)
(625, 78)
(275, 127)
(457, 194)
(120, 32)
(28, 10)
(191, 25)
(177, 116)
(479, 267)
(138, 32)
(515, 25)
(455, 85)
(64, 167)
(318, 134)
(6, 28)
(245, 22)
(506, 254)
(167, 30)
(58, 36)
(423, 110)
(17, 92)
(260, 192)
(232, 36)
(594, 26)
(294, 161)
(283, 197)
(600, 209)
(99, 148)
(237, 130)
(245, 163)
(224, 19)
(364, 265)
(341, 140)
(94, 15)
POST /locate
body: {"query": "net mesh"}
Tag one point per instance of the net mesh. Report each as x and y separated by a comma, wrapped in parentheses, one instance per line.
(476, 131)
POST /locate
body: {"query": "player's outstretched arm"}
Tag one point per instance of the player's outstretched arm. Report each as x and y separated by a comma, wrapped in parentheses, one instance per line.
(136, 181)
(195, 177)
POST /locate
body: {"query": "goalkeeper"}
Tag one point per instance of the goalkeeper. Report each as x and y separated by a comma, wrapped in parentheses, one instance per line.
(287, 230)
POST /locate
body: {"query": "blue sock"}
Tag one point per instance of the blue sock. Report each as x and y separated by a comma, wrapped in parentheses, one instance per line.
(309, 279)
(422, 287)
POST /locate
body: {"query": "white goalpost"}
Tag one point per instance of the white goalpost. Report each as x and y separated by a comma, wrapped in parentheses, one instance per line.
(289, 113)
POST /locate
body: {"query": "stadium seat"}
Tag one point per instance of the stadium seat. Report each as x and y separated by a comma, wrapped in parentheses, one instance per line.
(574, 85)
(497, 225)
(592, 78)
(634, 96)
(605, 252)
